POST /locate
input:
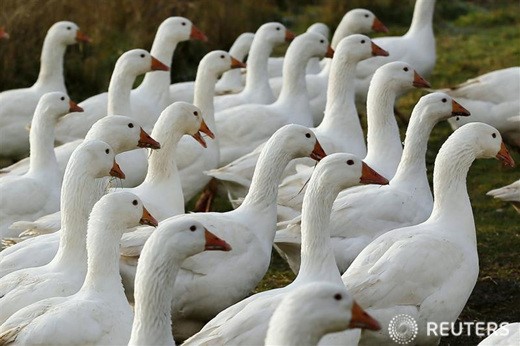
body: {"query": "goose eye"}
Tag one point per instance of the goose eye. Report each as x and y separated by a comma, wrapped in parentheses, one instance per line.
(362, 41)
(494, 135)
(338, 296)
(457, 118)
(444, 100)
(405, 69)
(69, 28)
(134, 202)
(308, 135)
(193, 228)
(142, 55)
(278, 28)
(366, 16)
(195, 113)
(350, 162)
(62, 98)
(107, 151)
(322, 41)
(222, 56)
(183, 23)
(130, 125)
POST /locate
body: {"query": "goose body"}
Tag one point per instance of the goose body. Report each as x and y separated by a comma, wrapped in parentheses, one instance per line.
(129, 65)
(244, 127)
(37, 192)
(361, 214)
(509, 193)
(440, 254)
(247, 321)
(100, 306)
(66, 271)
(17, 106)
(503, 336)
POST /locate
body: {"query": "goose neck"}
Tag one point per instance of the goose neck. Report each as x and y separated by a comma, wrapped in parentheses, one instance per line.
(317, 259)
(204, 92)
(51, 64)
(153, 293)
(41, 143)
(162, 49)
(257, 67)
(119, 90)
(383, 138)
(422, 16)
(161, 163)
(284, 331)
(294, 84)
(103, 243)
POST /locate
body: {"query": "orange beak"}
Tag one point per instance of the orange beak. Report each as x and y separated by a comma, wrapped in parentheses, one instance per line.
(378, 51)
(205, 129)
(235, 63)
(458, 110)
(215, 243)
(196, 34)
(145, 141)
(73, 107)
(419, 82)
(378, 26)
(360, 319)
(318, 153)
(81, 37)
(148, 219)
(289, 35)
(504, 156)
(369, 176)
(158, 66)
(116, 171)
(3, 34)
(330, 52)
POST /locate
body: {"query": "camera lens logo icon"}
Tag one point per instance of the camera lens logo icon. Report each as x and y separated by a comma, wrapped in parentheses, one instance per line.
(403, 329)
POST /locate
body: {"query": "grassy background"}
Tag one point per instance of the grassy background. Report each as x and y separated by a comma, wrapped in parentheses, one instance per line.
(473, 37)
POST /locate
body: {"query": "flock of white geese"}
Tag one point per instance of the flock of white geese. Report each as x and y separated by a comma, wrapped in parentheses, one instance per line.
(102, 252)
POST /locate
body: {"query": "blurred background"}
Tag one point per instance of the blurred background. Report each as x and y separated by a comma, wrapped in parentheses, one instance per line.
(472, 37)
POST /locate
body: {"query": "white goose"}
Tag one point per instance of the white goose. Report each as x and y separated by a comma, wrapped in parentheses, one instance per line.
(492, 99)
(100, 306)
(66, 272)
(231, 81)
(246, 322)
(37, 192)
(356, 21)
(509, 193)
(250, 231)
(440, 254)
(313, 310)
(504, 336)
(161, 259)
(361, 214)
(383, 138)
(243, 128)
(340, 128)
(161, 190)
(17, 106)
(257, 89)
(122, 134)
(416, 47)
(129, 65)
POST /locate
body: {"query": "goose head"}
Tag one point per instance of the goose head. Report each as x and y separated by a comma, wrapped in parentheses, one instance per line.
(439, 106)
(181, 29)
(358, 47)
(57, 104)
(186, 237)
(98, 158)
(298, 141)
(183, 117)
(400, 76)
(313, 45)
(218, 62)
(274, 33)
(67, 33)
(124, 210)
(345, 170)
(363, 21)
(139, 61)
(320, 308)
(122, 133)
(319, 28)
(487, 142)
